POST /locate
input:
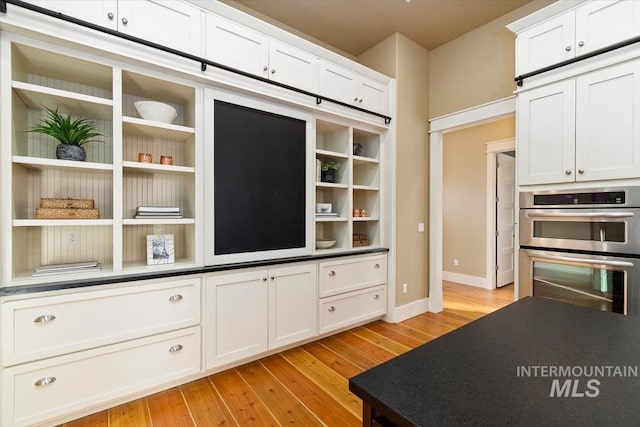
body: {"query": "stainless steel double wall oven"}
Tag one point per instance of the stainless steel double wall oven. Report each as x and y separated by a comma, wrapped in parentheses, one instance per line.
(582, 247)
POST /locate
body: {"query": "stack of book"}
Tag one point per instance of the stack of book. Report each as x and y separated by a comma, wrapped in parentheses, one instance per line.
(148, 212)
(326, 214)
(76, 267)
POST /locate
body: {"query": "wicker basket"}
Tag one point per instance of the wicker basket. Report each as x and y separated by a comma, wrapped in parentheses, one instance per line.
(47, 213)
(66, 203)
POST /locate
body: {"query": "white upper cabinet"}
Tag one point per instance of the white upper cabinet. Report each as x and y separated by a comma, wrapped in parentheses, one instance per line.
(591, 26)
(581, 129)
(169, 23)
(244, 49)
(352, 88)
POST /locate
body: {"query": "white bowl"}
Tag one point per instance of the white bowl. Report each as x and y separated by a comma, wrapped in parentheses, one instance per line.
(156, 111)
(324, 244)
(323, 207)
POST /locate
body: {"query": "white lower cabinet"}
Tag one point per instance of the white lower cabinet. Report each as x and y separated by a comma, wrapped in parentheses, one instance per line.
(250, 312)
(353, 307)
(43, 390)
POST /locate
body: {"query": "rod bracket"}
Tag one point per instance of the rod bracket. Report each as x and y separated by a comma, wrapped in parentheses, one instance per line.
(318, 100)
(203, 66)
(519, 81)
(3, 6)
(387, 120)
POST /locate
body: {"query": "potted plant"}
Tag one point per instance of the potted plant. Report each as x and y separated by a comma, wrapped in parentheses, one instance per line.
(328, 170)
(71, 134)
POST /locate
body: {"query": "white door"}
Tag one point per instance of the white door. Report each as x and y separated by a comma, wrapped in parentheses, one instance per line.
(338, 83)
(372, 96)
(505, 218)
(607, 133)
(293, 67)
(99, 12)
(293, 304)
(602, 23)
(546, 129)
(236, 316)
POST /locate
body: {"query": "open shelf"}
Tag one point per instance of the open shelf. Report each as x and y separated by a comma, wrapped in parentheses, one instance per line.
(40, 163)
(157, 168)
(141, 127)
(60, 222)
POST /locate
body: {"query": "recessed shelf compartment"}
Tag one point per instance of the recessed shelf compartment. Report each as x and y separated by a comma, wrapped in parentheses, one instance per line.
(371, 229)
(335, 230)
(332, 138)
(368, 143)
(134, 242)
(146, 189)
(367, 200)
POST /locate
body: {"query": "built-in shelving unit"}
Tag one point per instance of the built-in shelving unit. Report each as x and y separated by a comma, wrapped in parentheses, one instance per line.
(112, 176)
(356, 186)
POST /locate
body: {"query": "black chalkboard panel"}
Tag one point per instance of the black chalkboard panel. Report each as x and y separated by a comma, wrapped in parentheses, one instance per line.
(259, 180)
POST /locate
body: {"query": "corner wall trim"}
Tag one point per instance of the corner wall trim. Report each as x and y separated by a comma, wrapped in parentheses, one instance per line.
(466, 279)
(410, 310)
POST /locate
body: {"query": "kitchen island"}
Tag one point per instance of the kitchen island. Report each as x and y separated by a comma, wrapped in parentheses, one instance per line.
(535, 362)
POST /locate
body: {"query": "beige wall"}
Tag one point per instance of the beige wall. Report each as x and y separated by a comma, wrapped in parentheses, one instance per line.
(477, 67)
(464, 209)
(399, 57)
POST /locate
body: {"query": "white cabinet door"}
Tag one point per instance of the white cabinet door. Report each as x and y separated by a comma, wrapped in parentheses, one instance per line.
(546, 134)
(338, 83)
(372, 96)
(170, 23)
(607, 127)
(545, 44)
(293, 67)
(100, 12)
(602, 23)
(237, 46)
(236, 316)
(293, 304)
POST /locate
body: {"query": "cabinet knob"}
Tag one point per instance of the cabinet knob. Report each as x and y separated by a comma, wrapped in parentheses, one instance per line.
(580, 43)
(567, 172)
(580, 171)
(44, 318)
(355, 99)
(332, 308)
(376, 266)
(376, 296)
(125, 21)
(332, 273)
(360, 100)
(568, 48)
(175, 298)
(273, 71)
(44, 381)
(175, 348)
(265, 68)
(110, 15)
(264, 279)
(273, 277)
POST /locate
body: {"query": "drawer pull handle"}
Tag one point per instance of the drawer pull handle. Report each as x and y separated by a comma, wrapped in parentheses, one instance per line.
(175, 348)
(44, 318)
(377, 266)
(376, 296)
(332, 308)
(44, 381)
(332, 273)
(175, 298)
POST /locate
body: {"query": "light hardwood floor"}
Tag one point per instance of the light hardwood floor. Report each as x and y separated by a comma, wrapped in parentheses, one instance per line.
(307, 385)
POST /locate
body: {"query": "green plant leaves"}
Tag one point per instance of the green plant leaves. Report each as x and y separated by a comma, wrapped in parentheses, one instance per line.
(66, 131)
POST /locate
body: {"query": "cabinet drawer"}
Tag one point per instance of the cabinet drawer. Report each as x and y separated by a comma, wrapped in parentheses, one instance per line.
(43, 390)
(347, 275)
(51, 326)
(344, 310)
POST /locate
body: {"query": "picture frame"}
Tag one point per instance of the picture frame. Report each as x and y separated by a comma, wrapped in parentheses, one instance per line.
(160, 249)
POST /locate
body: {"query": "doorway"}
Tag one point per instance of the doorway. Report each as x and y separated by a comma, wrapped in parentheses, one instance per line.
(505, 187)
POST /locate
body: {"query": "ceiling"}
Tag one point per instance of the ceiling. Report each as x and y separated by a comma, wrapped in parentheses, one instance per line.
(354, 26)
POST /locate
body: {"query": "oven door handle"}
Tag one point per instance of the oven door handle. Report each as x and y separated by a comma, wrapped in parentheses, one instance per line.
(608, 263)
(579, 215)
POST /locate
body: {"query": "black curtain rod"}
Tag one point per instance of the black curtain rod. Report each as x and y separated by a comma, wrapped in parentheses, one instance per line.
(203, 62)
(520, 79)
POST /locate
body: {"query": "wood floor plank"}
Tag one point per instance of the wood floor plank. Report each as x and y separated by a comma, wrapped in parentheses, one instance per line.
(326, 378)
(380, 340)
(246, 407)
(400, 333)
(205, 404)
(168, 409)
(134, 413)
(281, 403)
(353, 355)
(333, 360)
(377, 353)
(319, 401)
(99, 419)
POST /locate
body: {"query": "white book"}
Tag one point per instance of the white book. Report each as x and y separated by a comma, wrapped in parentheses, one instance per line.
(66, 267)
(157, 209)
(52, 272)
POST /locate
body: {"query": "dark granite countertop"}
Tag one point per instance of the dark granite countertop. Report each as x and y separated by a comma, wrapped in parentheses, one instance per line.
(477, 375)
(105, 280)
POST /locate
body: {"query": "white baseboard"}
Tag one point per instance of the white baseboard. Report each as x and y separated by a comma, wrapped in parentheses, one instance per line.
(410, 310)
(465, 279)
